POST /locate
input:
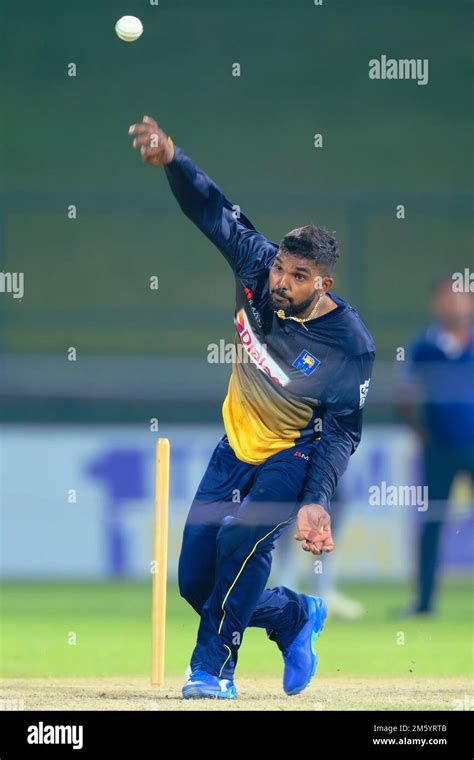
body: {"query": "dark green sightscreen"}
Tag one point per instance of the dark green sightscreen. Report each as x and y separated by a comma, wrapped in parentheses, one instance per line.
(304, 70)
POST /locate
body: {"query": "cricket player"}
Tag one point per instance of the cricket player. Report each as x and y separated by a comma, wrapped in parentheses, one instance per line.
(292, 418)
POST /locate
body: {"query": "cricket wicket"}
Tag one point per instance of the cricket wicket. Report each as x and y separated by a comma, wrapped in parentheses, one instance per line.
(159, 562)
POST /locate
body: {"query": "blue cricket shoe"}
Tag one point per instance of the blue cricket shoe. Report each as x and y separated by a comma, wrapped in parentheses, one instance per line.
(300, 658)
(202, 685)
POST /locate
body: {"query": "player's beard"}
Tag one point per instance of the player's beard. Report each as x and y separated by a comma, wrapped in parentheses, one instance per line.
(293, 309)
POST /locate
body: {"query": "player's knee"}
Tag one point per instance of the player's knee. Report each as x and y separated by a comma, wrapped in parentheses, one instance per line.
(230, 538)
(189, 589)
(239, 536)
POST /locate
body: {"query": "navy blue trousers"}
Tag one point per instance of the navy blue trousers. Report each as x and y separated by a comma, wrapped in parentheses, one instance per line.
(238, 512)
(441, 465)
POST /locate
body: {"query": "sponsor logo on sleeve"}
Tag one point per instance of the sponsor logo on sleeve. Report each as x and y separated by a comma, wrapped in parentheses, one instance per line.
(364, 389)
(250, 295)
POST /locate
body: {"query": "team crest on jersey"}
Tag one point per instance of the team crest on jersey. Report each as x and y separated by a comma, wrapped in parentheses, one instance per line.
(306, 362)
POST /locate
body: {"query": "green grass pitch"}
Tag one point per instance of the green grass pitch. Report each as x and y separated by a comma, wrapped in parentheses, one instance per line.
(110, 625)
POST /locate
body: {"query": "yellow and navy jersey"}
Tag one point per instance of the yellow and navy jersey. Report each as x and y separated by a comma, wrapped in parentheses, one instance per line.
(291, 382)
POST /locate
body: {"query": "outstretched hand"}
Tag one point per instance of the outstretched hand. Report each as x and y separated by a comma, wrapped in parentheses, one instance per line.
(155, 147)
(314, 528)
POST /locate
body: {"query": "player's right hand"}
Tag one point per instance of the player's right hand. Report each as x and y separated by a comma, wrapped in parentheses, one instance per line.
(155, 147)
(314, 528)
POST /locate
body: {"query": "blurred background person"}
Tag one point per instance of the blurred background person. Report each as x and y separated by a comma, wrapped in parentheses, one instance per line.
(436, 399)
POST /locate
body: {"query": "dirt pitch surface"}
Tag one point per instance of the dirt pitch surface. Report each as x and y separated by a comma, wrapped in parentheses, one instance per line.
(325, 693)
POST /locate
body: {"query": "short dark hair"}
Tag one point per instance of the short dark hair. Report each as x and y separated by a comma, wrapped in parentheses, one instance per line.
(313, 243)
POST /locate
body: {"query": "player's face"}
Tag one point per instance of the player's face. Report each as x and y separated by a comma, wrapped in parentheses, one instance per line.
(295, 284)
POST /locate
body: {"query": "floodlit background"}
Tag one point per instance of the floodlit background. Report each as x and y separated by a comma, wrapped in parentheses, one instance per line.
(77, 450)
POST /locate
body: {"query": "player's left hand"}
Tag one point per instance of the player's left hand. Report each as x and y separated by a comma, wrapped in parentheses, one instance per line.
(314, 528)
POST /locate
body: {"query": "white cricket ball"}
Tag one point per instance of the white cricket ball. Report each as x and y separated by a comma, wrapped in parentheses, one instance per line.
(129, 28)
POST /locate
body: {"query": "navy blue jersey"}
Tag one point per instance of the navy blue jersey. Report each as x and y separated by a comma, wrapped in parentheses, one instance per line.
(291, 382)
(443, 373)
